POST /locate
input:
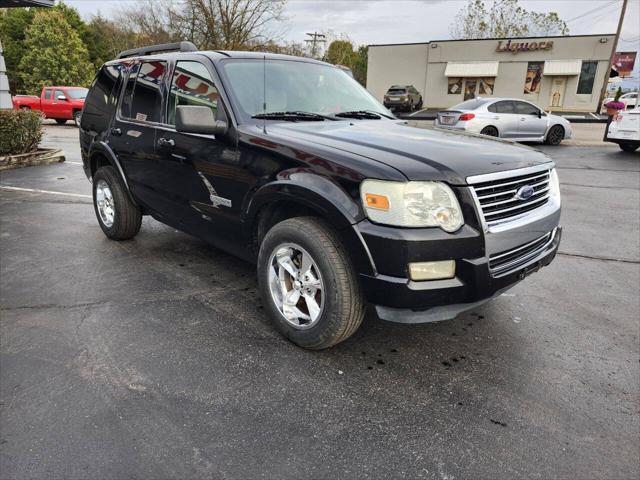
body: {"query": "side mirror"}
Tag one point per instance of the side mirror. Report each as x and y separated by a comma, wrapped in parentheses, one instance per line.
(61, 97)
(539, 113)
(197, 119)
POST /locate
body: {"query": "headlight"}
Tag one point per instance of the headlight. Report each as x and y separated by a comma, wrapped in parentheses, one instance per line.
(554, 185)
(411, 204)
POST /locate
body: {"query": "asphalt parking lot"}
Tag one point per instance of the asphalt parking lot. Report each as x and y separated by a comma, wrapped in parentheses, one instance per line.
(153, 358)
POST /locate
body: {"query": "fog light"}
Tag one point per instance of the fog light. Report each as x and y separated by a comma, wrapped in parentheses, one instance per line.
(432, 270)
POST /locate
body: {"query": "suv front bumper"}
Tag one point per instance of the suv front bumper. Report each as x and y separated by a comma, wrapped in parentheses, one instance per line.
(400, 299)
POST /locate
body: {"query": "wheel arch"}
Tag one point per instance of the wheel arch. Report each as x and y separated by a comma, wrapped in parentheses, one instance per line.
(101, 155)
(307, 194)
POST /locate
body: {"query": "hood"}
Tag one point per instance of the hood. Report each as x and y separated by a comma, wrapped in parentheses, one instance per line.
(419, 154)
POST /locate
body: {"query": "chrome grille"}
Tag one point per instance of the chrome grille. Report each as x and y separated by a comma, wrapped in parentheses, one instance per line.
(505, 262)
(498, 200)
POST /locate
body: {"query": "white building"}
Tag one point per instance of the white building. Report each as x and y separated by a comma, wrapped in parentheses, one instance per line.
(556, 73)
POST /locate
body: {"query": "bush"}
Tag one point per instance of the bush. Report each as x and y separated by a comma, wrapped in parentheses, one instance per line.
(20, 131)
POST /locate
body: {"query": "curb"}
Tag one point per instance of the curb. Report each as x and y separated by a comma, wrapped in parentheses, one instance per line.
(42, 156)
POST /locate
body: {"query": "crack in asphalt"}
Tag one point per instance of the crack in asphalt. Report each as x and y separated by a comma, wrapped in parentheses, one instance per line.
(596, 257)
(599, 186)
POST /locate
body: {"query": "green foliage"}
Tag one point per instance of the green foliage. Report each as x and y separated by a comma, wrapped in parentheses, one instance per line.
(504, 18)
(20, 131)
(341, 52)
(54, 55)
(360, 65)
(618, 94)
(13, 26)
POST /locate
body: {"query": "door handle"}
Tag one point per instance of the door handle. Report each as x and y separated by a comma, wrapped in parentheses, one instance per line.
(164, 142)
(522, 119)
(116, 132)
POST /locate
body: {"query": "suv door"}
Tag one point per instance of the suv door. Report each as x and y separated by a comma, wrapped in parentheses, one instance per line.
(132, 137)
(505, 118)
(197, 169)
(532, 121)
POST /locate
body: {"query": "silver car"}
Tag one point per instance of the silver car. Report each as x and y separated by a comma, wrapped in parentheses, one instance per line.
(505, 118)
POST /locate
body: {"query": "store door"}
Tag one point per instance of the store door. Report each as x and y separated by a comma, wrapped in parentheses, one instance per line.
(558, 87)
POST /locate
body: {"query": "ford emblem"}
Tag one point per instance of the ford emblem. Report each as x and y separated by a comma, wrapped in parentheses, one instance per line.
(524, 193)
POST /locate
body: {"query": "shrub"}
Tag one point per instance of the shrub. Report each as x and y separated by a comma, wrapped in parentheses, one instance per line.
(20, 131)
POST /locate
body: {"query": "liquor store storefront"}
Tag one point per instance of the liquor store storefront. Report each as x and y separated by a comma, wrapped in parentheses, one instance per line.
(556, 73)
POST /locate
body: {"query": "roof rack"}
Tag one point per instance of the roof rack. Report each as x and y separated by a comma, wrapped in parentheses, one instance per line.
(162, 47)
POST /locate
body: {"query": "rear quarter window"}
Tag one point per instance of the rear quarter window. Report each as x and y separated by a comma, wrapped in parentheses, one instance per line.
(101, 100)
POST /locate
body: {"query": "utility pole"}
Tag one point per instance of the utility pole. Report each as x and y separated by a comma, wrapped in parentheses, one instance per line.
(316, 38)
(603, 92)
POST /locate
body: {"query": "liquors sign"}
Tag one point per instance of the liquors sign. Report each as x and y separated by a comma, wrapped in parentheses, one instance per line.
(516, 47)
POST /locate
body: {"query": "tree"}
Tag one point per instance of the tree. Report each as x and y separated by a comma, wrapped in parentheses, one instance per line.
(13, 26)
(340, 52)
(360, 65)
(210, 24)
(505, 18)
(54, 54)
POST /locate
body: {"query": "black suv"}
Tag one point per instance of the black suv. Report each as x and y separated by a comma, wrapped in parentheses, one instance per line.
(290, 163)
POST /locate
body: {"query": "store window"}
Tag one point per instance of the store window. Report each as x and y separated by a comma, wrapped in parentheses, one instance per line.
(587, 77)
(533, 78)
(471, 87)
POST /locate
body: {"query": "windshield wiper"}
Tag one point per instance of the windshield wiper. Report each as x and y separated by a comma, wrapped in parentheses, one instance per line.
(362, 115)
(291, 116)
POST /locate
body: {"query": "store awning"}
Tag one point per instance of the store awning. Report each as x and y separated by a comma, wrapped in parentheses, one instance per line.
(562, 67)
(471, 69)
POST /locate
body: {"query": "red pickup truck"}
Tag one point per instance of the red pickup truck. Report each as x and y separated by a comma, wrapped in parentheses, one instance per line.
(58, 103)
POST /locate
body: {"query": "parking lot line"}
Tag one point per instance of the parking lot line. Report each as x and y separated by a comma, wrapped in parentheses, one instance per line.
(35, 190)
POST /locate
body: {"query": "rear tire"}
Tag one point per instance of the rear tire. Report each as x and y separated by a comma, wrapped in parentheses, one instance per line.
(329, 296)
(628, 147)
(490, 131)
(554, 135)
(419, 106)
(60, 121)
(118, 217)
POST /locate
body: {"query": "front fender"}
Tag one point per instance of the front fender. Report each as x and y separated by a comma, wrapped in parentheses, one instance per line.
(321, 195)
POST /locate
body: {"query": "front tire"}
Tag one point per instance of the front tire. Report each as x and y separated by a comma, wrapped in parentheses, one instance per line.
(308, 283)
(76, 117)
(628, 147)
(555, 135)
(118, 217)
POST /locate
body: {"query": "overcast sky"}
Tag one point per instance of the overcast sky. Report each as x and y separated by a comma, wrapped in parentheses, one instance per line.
(402, 21)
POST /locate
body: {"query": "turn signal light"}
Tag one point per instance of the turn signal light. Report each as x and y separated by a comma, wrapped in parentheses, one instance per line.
(379, 202)
(466, 116)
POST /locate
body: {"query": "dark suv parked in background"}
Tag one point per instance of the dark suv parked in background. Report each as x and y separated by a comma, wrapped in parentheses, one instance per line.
(403, 97)
(289, 163)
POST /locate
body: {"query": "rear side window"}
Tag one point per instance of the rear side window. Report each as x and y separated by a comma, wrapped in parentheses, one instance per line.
(142, 98)
(191, 85)
(101, 99)
(502, 107)
(47, 94)
(524, 108)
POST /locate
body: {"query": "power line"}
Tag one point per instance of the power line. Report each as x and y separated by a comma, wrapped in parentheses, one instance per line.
(588, 12)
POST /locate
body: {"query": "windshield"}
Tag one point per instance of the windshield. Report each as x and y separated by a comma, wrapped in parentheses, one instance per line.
(294, 86)
(77, 93)
(396, 91)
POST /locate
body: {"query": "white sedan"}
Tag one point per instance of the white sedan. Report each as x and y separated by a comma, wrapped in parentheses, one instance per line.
(505, 118)
(624, 129)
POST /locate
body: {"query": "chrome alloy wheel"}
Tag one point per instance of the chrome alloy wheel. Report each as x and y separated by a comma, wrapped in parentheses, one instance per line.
(296, 285)
(105, 204)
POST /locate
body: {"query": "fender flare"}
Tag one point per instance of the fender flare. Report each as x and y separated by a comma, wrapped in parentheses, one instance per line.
(103, 149)
(319, 194)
